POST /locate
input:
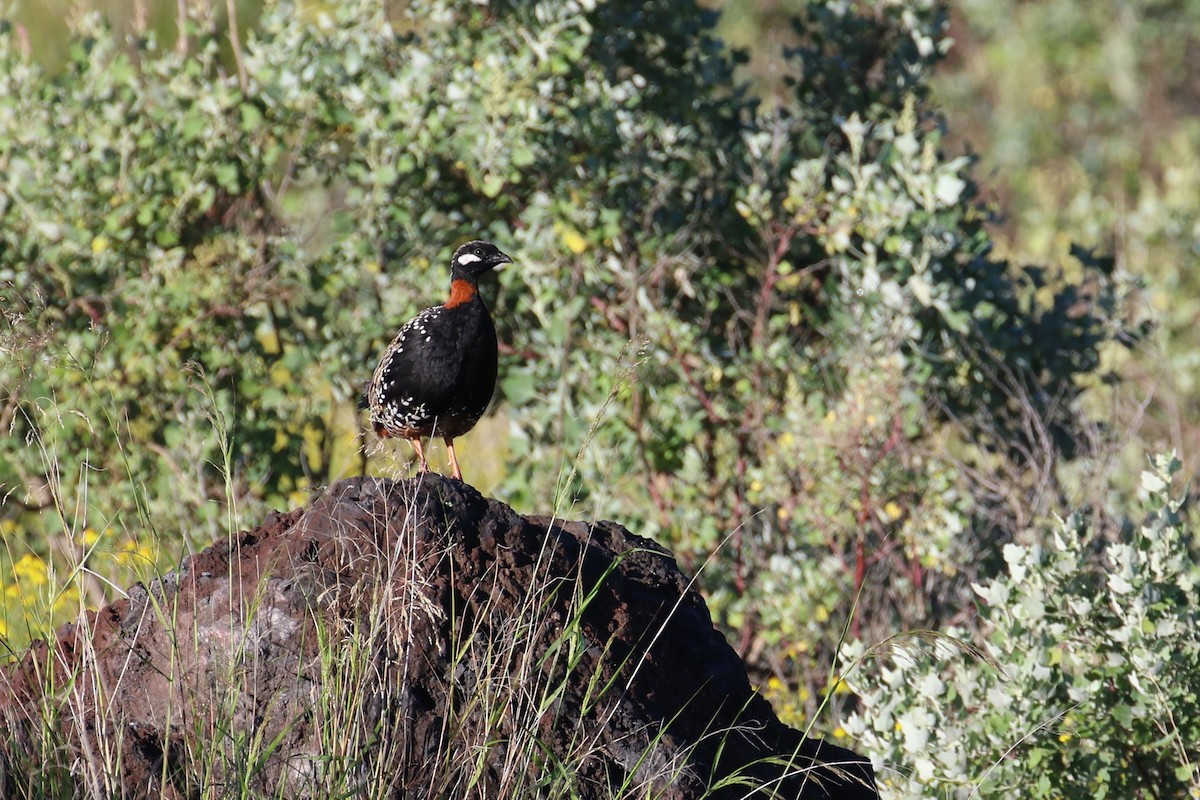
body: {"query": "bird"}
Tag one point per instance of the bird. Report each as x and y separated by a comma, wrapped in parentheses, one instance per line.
(437, 376)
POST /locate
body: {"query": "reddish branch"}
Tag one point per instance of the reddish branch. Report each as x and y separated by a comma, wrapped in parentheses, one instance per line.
(527, 354)
(611, 317)
(701, 395)
(754, 420)
(866, 506)
(785, 235)
(739, 559)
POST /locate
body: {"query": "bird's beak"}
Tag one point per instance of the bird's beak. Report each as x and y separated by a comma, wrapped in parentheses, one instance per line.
(504, 259)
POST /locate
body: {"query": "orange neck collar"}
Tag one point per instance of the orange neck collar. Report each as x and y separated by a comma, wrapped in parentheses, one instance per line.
(461, 291)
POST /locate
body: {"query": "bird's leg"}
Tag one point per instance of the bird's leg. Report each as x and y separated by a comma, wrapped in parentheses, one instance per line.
(423, 466)
(455, 472)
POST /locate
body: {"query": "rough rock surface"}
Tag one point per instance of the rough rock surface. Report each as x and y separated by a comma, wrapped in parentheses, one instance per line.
(412, 639)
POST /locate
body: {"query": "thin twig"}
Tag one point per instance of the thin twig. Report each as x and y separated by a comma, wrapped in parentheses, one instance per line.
(236, 42)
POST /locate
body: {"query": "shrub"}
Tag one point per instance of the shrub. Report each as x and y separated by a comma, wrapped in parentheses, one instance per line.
(767, 324)
(1088, 684)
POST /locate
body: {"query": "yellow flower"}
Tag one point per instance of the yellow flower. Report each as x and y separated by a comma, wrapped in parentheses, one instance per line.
(756, 485)
(99, 245)
(787, 440)
(30, 568)
(574, 242)
(267, 337)
(280, 375)
(1064, 737)
(892, 509)
(90, 536)
(133, 554)
(794, 313)
(839, 732)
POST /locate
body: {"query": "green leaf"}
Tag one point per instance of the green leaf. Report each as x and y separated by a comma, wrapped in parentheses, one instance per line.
(227, 177)
(1153, 483)
(522, 156)
(492, 185)
(519, 387)
(252, 118)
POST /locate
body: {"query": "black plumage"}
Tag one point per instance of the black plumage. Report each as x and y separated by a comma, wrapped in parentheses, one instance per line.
(437, 376)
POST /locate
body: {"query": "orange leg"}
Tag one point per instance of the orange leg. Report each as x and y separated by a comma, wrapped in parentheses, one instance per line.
(424, 465)
(455, 472)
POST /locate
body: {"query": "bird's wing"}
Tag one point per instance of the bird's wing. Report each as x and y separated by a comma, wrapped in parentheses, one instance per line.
(413, 366)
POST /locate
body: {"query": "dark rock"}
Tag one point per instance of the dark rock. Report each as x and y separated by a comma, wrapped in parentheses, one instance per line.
(408, 639)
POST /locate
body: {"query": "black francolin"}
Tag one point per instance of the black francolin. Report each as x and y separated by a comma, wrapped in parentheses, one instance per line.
(437, 376)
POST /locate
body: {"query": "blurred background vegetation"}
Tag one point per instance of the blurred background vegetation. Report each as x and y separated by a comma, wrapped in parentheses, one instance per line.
(1083, 118)
(837, 299)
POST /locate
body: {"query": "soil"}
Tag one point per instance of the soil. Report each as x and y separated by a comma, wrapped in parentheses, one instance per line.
(408, 639)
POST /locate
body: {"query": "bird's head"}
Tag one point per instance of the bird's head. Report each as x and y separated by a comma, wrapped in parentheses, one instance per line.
(475, 258)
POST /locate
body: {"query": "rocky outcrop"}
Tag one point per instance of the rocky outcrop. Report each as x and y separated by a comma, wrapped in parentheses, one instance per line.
(408, 639)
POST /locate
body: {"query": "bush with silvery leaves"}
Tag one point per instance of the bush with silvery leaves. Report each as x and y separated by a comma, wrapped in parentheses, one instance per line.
(1086, 686)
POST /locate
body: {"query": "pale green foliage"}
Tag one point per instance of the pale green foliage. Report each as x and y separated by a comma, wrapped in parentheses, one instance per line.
(1095, 687)
(743, 331)
(1085, 114)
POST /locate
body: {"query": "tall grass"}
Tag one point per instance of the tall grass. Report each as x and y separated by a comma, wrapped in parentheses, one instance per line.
(345, 723)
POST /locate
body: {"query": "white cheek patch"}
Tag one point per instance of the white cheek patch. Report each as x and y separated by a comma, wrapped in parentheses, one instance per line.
(468, 258)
